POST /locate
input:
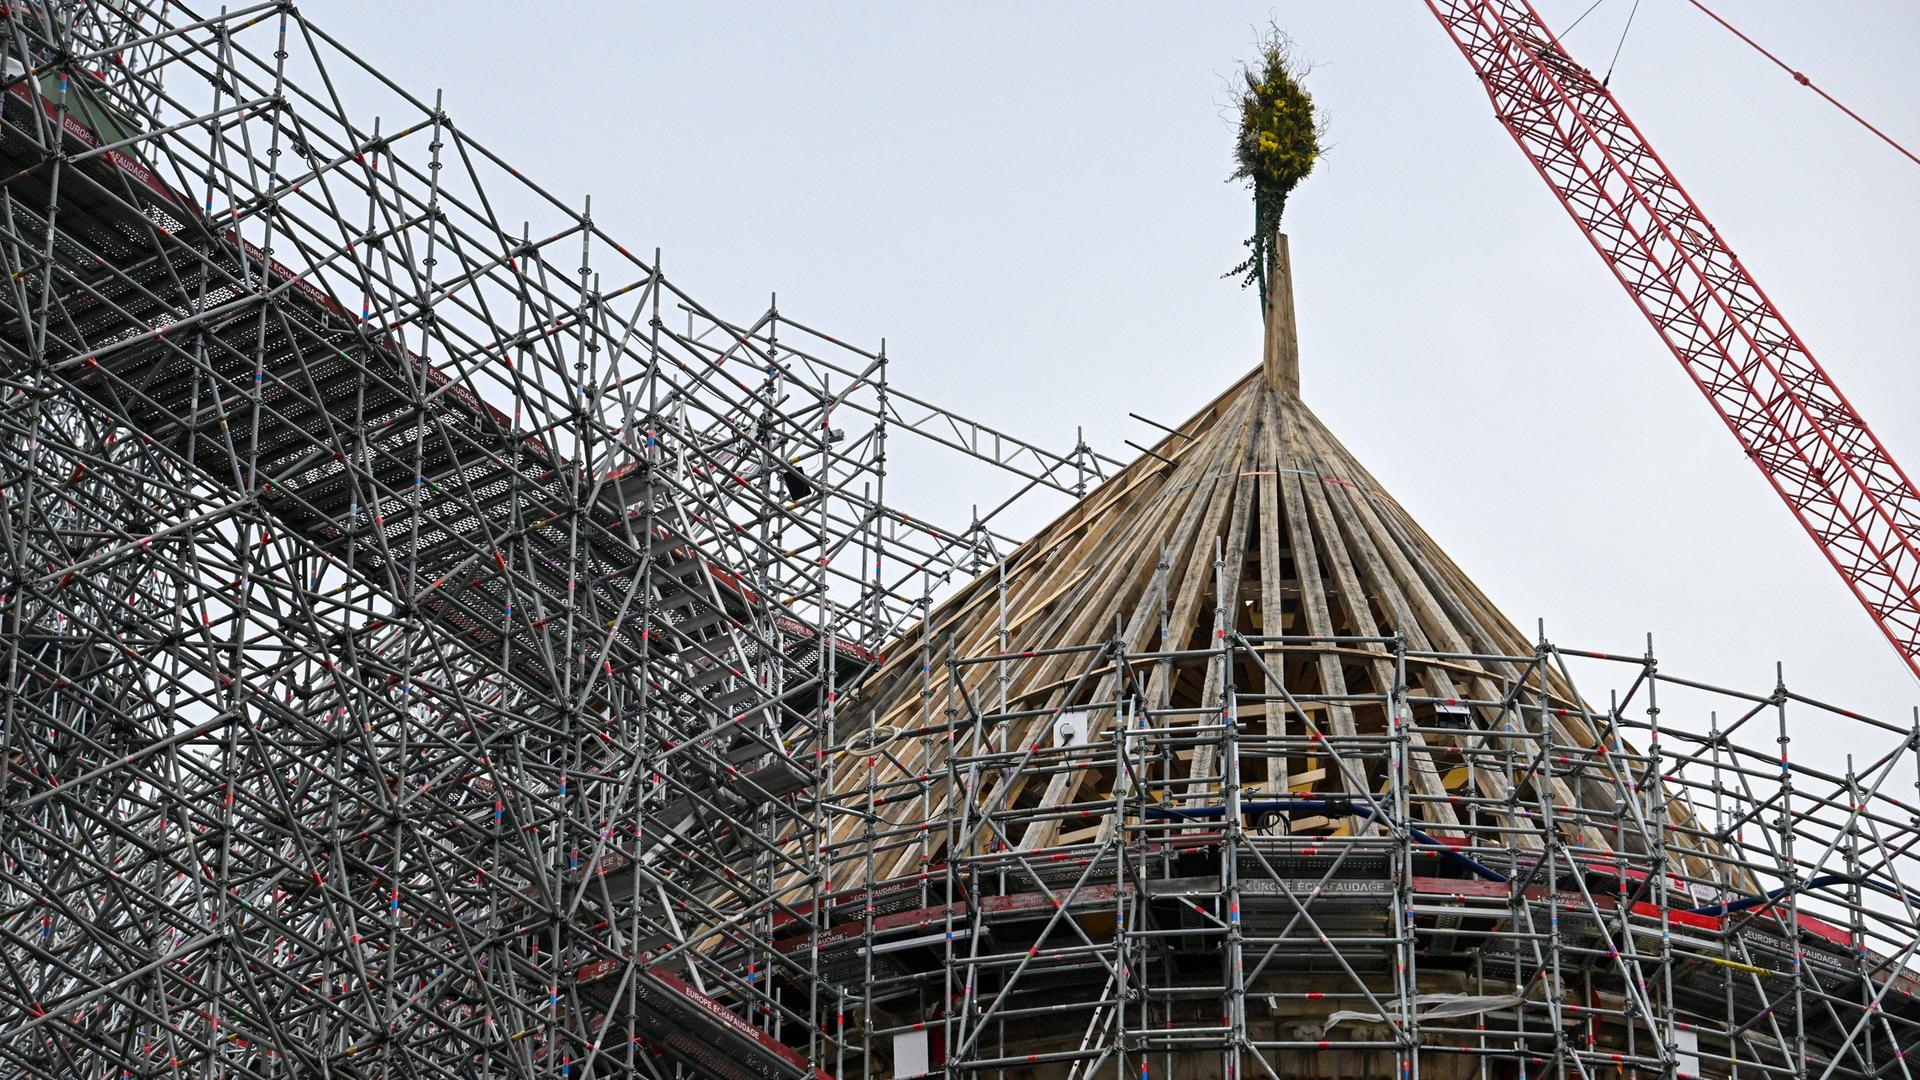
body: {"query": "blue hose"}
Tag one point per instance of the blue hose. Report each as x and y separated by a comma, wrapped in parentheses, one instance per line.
(1338, 808)
(1746, 902)
(1341, 807)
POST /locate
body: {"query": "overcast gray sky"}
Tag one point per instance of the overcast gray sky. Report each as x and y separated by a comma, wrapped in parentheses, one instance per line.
(1028, 202)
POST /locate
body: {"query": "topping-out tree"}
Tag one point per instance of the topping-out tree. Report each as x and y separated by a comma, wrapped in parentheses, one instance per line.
(1277, 144)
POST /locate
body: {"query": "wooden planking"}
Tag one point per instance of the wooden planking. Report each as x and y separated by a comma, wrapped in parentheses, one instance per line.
(1233, 563)
(1207, 501)
(1253, 481)
(1272, 598)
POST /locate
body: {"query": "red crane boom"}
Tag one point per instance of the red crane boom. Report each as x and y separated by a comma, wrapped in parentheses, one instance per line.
(1794, 423)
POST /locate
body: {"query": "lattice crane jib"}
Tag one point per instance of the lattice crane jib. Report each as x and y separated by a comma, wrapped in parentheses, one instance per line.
(1839, 480)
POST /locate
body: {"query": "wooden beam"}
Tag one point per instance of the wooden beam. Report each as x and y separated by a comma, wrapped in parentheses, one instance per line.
(1281, 360)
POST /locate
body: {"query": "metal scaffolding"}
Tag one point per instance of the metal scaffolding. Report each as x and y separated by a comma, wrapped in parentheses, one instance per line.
(429, 633)
(410, 595)
(1746, 916)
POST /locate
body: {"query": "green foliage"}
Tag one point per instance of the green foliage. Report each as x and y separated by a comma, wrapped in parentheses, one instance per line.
(1276, 146)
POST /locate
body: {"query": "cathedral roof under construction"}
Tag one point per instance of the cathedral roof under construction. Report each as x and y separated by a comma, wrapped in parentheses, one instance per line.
(1249, 523)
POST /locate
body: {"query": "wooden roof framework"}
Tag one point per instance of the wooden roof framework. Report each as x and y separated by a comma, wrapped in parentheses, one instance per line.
(1250, 519)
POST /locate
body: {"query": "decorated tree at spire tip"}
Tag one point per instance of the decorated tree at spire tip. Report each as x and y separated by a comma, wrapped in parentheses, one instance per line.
(1277, 144)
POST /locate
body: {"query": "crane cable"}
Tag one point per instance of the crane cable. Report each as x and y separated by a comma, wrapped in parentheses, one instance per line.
(1624, 31)
(1806, 82)
(1581, 19)
(1619, 45)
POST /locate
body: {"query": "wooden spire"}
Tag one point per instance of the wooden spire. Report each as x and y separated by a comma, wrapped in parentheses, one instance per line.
(1250, 518)
(1281, 360)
